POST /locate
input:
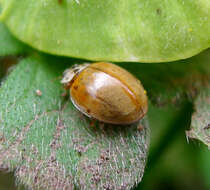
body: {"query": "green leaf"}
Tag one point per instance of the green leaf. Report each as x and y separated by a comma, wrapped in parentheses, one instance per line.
(51, 144)
(128, 30)
(200, 126)
(8, 44)
(173, 82)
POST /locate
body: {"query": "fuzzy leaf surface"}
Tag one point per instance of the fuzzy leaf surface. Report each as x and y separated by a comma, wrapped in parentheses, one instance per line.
(200, 126)
(120, 30)
(53, 146)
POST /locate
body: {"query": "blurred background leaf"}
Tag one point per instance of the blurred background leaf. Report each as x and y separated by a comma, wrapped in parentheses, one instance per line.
(8, 44)
(173, 162)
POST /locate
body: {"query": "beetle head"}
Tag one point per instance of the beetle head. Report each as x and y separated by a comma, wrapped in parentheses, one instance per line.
(69, 74)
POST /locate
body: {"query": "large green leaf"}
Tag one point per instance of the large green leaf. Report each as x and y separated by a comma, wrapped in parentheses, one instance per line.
(52, 145)
(200, 126)
(120, 30)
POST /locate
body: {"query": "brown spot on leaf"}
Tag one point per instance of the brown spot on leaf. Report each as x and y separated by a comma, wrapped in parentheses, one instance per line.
(158, 11)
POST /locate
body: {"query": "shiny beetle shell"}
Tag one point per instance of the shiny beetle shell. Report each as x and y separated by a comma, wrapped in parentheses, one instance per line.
(106, 92)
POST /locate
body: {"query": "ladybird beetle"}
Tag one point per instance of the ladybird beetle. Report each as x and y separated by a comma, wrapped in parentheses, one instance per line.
(106, 92)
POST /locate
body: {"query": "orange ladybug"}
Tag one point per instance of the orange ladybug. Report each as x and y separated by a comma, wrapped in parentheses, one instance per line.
(106, 92)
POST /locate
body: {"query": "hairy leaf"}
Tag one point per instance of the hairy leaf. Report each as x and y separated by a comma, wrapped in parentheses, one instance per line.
(128, 30)
(54, 146)
(200, 126)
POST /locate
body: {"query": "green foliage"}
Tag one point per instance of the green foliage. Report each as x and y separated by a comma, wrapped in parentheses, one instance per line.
(45, 140)
(128, 30)
(44, 133)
